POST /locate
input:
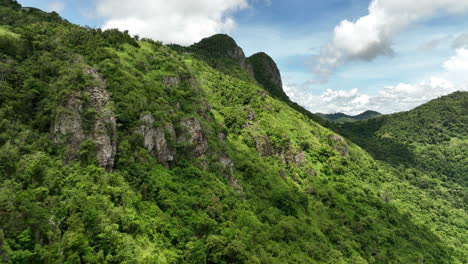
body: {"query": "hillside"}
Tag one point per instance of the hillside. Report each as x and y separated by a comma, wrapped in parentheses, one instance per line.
(120, 150)
(341, 118)
(434, 137)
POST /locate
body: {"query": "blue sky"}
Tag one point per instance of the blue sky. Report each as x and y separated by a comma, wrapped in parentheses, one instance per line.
(379, 59)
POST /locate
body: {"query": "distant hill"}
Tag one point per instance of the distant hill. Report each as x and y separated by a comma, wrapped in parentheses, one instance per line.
(344, 118)
(433, 137)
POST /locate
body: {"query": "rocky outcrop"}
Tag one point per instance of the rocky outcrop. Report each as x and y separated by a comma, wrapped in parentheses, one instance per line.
(171, 81)
(266, 73)
(156, 140)
(339, 144)
(263, 146)
(312, 172)
(191, 133)
(238, 54)
(292, 157)
(87, 114)
(228, 167)
(299, 158)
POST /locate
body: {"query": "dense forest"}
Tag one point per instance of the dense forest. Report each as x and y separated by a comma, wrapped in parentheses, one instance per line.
(116, 149)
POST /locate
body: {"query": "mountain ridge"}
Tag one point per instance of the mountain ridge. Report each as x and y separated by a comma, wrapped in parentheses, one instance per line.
(343, 118)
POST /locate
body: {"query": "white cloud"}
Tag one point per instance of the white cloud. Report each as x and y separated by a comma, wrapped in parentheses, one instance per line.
(56, 6)
(175, 21)
(372, 35)
(390, 99)
(459, 63)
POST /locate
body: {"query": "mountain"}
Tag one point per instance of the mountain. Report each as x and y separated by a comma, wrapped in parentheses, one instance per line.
(344, 118)
(433, 136)
(115, 149)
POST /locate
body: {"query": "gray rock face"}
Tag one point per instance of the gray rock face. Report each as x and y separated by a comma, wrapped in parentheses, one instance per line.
(263, 146)
(171, 81)
(69, 124)
(228, 167)
(192, 134)
(339, 144)
(312, 172)
(88, 114)
(295, 158)
(156, 140)
(238, 54)
(251, 115)
(299, 158)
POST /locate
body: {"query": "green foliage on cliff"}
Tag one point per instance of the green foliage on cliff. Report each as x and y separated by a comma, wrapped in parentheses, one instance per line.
(274, 186)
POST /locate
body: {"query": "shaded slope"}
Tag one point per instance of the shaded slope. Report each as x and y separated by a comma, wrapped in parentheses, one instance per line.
(268, 75)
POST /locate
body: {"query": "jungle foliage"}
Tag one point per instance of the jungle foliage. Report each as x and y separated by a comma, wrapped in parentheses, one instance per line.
(312, 197)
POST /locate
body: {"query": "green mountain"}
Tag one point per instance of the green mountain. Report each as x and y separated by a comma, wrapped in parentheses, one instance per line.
(344, 118)
(120, 150)
(432, 137)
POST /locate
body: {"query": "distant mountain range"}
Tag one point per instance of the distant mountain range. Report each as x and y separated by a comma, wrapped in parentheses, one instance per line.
(344, 118)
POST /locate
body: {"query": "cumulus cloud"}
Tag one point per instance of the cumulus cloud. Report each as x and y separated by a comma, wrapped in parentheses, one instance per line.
(390, 99)
(372, 35)
(176, 21)
(56, 6)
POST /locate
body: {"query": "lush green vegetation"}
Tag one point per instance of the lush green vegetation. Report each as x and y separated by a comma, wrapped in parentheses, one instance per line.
(306, 195)
(433, 137)
(344, 118)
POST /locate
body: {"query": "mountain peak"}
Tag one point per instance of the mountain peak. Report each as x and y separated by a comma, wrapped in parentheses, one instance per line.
(266, 72)
(222, 45)
(219, 43)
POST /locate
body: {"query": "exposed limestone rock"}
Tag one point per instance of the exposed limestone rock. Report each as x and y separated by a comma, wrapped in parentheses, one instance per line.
(171, 81)
(156, 140)
(251, 115)
(238, 54)
(192, 134)
(263, 146)
(312, 172)
(295, 158)
(228, 166)
(299, 158)
(87, 114)
(339, 144)
(69, 123)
